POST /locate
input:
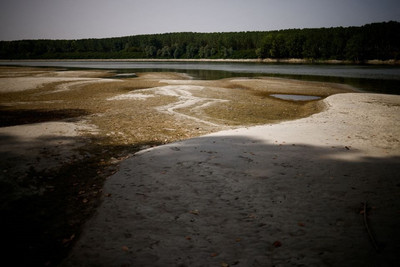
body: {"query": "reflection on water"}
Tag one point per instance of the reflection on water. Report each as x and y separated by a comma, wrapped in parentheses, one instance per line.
(125, 75)
(382, 79)
(296, 97)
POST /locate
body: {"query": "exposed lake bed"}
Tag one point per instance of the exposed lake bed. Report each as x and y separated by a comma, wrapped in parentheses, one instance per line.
(121, 116)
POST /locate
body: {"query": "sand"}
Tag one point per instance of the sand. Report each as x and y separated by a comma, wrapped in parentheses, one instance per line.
(17, 79)
(287, 194)
(185, 99)
(37, 148)
(272, 195)
(29, 83)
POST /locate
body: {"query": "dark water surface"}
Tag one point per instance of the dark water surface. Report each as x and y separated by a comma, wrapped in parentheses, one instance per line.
(373, 78)
(296, 97)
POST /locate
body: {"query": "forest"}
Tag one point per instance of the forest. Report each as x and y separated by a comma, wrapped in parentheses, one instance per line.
(372, 41)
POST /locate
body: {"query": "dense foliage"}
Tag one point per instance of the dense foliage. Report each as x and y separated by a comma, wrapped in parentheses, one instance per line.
(372, 41)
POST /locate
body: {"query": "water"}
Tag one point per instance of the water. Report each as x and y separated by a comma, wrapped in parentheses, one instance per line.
(296, 97)
(382, 79)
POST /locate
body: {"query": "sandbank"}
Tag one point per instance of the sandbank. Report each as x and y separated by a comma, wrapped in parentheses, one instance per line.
(14, 79)
(287, 194)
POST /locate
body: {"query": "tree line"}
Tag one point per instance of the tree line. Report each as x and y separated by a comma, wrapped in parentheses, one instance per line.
(372, 41)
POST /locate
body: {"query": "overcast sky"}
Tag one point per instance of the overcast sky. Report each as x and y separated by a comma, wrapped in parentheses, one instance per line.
(76, 19)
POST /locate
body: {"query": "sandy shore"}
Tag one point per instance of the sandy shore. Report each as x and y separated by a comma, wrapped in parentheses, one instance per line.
(281, 194)
(288, 194)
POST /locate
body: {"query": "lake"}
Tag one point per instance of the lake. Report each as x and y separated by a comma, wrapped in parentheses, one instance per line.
(375, 78)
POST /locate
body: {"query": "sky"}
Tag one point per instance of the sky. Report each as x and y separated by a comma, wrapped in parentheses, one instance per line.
(78, 19)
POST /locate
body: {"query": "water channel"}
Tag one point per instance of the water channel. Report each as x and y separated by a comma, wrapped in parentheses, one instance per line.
(371, 78)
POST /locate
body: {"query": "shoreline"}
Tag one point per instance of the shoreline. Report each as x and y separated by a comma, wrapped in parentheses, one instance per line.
(266, 61)
(127, 115)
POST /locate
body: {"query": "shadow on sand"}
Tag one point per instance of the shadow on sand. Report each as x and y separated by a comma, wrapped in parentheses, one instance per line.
(245, 202)
(47, 192)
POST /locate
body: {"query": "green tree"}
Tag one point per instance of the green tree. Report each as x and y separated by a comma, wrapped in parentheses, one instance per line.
(355, 48)
(150, 51)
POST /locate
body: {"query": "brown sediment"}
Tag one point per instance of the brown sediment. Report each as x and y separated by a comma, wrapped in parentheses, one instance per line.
(244, 102)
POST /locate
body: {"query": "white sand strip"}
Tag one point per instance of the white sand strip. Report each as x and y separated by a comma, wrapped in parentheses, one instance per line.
(277, 195)
(18, 84)
(28, 83)
(130, 96)
(185, 100)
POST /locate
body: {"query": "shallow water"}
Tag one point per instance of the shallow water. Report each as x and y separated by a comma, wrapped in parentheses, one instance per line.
(296, 97)
(350, 71)
(381, 79)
